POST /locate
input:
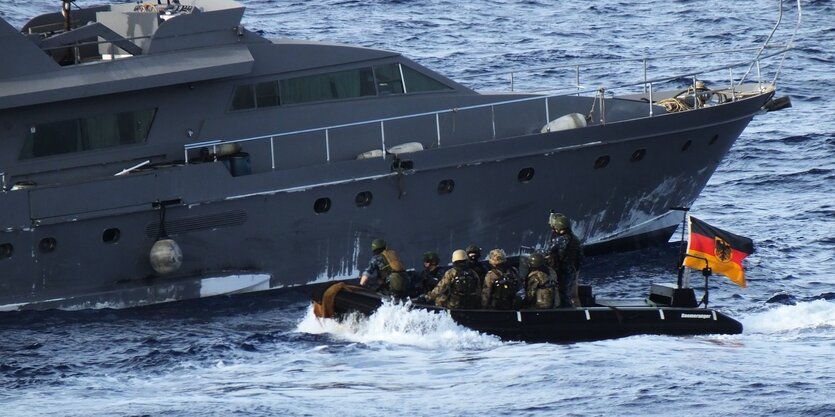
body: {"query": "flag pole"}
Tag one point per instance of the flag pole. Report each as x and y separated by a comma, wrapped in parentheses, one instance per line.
(681, 248)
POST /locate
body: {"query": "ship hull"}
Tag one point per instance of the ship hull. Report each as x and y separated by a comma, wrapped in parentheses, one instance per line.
(272, 230)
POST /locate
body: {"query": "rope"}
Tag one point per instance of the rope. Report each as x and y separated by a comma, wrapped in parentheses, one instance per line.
(325, 308)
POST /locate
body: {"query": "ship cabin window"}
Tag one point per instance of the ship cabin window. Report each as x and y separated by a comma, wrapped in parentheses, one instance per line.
(417, 82)
(389, 79)
(322, 205)
(86, 134)
(47, 244)
(382, 80)
(638, 155)
(446, 186)
(686, 145)
(331, 86)
(363, 199)
(601, 162)
(525, 175)
(111, 235)
(6, 250)
(713, 139)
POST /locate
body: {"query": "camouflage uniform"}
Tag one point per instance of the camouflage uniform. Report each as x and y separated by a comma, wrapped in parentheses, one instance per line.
(377, 271)
(492, 276)
(380, 271)
(566, 255)
(442, 294)
(539, 281)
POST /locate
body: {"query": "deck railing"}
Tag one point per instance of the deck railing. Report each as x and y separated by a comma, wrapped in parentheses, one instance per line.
(647, 84)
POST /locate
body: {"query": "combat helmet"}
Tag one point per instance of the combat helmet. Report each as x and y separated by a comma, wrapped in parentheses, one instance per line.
(377, 244)
(431, 257)
(559, 221)
(459, 255)
(536, 260)
(473, 249)
(497, 257)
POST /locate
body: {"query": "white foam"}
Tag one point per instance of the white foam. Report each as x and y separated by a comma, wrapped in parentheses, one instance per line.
(398, 323)
(806, 315)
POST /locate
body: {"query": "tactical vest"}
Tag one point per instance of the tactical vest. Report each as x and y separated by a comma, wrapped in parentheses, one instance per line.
(544, 293)
(394, 275)
(503, 291)
(463, 290)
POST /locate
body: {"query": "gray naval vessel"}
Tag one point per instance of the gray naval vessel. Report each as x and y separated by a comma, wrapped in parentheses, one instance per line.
(154, 152)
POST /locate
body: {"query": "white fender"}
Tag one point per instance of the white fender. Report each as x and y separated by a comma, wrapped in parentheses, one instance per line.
(567, 122)
(166, 256)
(407, 147)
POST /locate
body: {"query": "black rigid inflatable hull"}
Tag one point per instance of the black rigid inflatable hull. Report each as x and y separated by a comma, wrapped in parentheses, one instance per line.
(565, 325)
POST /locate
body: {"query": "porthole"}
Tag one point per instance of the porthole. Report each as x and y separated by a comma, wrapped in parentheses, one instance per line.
(322, 205)
(363, 199)
(6, 250)
(111, 235)
(446, 186)
(601, 162)
(47, 244)
(713, 139)
(525, 175)
(638, 155)
(686, 145)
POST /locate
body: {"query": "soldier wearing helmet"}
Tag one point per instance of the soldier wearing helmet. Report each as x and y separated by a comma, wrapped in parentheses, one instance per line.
(431, 274)
(458, 288)
(565, 257)
(474, 262)
(541, 287)
(385, 272)
(500, 283)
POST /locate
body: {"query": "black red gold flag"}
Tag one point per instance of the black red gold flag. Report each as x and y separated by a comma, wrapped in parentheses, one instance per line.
(723, 251)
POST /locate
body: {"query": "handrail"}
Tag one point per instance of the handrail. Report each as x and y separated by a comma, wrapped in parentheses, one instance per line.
(647, 83)
(437, 113)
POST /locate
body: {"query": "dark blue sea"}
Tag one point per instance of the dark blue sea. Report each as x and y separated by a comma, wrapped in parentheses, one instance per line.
(266, 355)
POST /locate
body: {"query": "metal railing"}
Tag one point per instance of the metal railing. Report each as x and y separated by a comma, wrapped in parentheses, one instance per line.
(647, 84)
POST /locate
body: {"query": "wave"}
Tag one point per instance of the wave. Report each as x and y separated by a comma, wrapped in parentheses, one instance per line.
(397, 323)
(803, 316)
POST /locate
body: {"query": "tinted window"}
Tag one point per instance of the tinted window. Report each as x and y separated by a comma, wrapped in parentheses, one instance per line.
(266, 94)
(337, 85)
(388, 79)
(417, 82)
(244, 98)
(76, 135)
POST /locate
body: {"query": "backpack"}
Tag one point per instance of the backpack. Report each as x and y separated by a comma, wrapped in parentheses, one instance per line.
(503, 292)
(463, 290)
(545, 293)
(396, 280)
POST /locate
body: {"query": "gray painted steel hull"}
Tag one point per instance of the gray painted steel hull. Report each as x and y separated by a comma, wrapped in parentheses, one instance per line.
(261, 231)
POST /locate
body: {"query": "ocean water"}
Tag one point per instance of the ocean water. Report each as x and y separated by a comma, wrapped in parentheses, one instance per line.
(266, 355)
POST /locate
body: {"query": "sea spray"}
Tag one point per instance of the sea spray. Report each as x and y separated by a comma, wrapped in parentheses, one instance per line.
(813, 315)
(399, 323)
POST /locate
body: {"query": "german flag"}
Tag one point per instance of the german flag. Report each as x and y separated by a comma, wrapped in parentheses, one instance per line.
(722, 250)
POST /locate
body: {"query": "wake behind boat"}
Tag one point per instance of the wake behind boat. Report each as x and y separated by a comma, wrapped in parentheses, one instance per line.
(161, 151)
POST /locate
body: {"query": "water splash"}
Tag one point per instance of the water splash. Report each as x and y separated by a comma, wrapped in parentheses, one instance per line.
(398, 323)
(813, 315)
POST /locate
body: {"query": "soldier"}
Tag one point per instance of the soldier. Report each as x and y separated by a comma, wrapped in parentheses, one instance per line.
(500, 283)
(542, 287)
(459, 286)
(431, 274)
(384, 273)
(565, 257)
(474, 262)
